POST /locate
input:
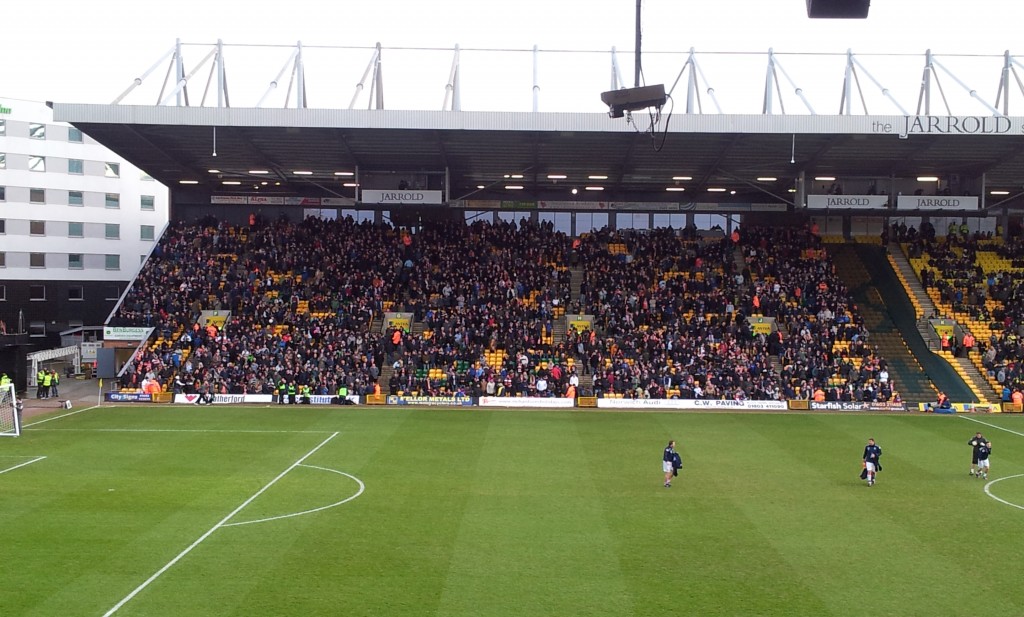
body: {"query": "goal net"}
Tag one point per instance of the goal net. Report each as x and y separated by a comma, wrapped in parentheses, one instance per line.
(10, 416)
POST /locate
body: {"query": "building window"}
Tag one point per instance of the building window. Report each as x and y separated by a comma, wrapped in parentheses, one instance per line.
(37, 163)
(112, 231)
(148, 202)
(37, 196)
(37, 131)
(111, 293)
(76, 229)
(37, 228)
(113, 170)
(75, 166)
(74, 135)
(113, 200)
(3, 128)
(76, 293)
(3, 160)
(3, 291)
(75, 261)
(37, 293)
(3, 193)
(75, 198)
(37, 328)
(146, 177)
(3, 259)
(3, 226)
(146, 232)
(37, 260)
(112, 262)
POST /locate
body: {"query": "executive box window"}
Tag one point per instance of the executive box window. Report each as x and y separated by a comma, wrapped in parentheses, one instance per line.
(75, 166)
(112, 200)
(113, 170)
(3, 193)
(112, 262)
(37, 130)
(75, 261)
(146, 232)
(76, 293)
(3, 291)
(112, 231)
(3, 160)
(37, 163)
(3, 226)
(37, 328)
(37, 293)
(37, 196)
(74, 135)
(147, 202)
(3, 259)
(37, 260)
(75, 198)
(37, 228)
(76, 229)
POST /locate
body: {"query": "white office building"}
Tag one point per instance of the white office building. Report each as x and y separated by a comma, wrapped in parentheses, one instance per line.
(76, 222)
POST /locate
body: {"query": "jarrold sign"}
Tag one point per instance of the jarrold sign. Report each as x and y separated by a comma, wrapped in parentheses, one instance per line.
(373, 196)
(841, 202)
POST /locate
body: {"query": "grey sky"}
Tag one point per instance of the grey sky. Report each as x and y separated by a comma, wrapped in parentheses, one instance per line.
(74, 51)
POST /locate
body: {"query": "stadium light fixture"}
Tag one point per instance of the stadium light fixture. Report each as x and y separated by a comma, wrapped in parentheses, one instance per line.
(514, 187)
(214, 171)
(767, 179)
(999, 192)
(347, 174)
(302, 172)
(351, 184)
(675, 189)
(927, 178)
(593, 188)
(597, 177)
(716, 189)
(557, 176)
(231, 182)
(682, 178)
(825, 178)
(188, 181)
(258, 171)
(480, 187)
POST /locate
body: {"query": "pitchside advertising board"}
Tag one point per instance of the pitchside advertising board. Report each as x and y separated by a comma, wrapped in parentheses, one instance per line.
(431, 401)
(680, 403)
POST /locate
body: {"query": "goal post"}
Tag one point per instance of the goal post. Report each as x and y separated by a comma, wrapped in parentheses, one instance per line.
(10, 415)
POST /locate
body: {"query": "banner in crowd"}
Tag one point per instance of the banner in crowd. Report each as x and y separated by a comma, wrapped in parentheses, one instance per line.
(937, 202)
(413, 197)
(431, 401)
(522, 401)
(680, 403)
(856, 406)
(579, 322)
(847, 202)
(397, 320)
(115, 333)
(761, 325)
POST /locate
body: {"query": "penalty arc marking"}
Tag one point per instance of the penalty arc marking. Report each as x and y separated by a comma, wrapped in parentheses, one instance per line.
(988, 491)
(362, 487)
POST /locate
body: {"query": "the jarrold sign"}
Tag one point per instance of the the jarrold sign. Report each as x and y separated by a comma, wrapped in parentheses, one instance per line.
(372, 196)
(958, 125)
(840, 202)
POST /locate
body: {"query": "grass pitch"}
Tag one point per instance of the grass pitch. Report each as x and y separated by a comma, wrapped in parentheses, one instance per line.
(180, 511)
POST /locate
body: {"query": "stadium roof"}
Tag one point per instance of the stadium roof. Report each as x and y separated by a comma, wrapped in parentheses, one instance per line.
(483, 148)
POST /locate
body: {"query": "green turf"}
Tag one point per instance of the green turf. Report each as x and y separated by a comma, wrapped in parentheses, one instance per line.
(490, 513)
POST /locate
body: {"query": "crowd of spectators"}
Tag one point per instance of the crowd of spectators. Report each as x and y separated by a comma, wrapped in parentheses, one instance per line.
(670, 312)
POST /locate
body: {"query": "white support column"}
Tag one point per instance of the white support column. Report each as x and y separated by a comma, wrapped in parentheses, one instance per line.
(362, 80)
(616, 76)
(277, 79)
(769, 84)
(138, 80)
(536, 85)
(378, 80)
(220, 73)
(300, 86)
(925, 94)
(450, 88)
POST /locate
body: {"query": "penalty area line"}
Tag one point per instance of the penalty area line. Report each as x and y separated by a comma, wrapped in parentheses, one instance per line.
(996, 426)
(206, 535)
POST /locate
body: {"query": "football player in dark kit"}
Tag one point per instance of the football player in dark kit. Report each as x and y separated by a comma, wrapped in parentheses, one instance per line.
(670, 463)
(978, 441)
(871, 455)
(982, 453)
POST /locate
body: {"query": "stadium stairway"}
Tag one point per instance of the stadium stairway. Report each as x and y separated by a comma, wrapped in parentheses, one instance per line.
(892, 322)
(575, 283)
